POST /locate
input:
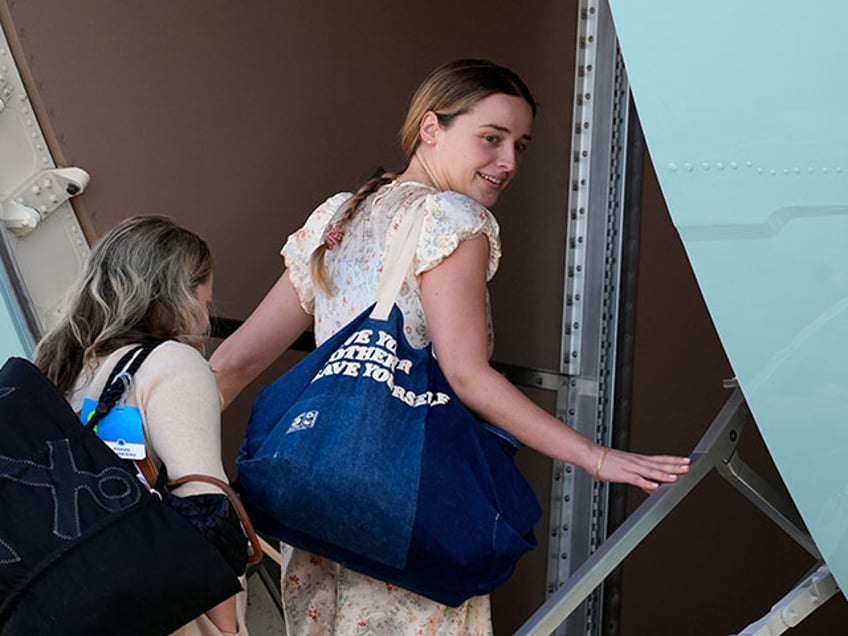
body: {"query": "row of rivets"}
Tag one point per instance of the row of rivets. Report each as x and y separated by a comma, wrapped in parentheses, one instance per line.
(733, 165)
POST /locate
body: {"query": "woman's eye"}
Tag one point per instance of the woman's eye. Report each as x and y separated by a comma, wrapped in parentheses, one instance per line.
(490, 139)
(521, 147)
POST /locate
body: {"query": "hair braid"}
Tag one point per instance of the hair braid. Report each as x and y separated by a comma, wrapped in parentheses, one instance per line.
(317, 264)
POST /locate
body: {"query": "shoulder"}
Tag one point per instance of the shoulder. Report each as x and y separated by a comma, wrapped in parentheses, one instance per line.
(452, 212)
(450, 218)
(173, 359)
(301, 243)
(173, 352)
(322, 214)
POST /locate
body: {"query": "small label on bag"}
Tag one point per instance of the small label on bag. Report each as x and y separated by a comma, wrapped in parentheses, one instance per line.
(122, 429)
(303, 422)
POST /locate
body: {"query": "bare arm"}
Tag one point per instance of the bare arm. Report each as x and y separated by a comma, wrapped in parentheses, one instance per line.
(454, 298)
(268, 332)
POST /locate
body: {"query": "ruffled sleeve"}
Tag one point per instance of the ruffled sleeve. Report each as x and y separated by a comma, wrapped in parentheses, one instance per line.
(299, 247)
(451, 218)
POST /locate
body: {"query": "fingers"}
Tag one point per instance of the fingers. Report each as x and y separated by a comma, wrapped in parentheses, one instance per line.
(650, 471)
(646, 472)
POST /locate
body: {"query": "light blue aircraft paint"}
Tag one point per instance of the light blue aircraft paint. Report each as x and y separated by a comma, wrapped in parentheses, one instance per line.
(13, 339)
(745, 111)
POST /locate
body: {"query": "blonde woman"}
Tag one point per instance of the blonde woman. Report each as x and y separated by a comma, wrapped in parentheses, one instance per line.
(466, 131)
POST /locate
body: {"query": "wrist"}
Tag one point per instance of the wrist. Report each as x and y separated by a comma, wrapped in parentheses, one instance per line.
(601, 460)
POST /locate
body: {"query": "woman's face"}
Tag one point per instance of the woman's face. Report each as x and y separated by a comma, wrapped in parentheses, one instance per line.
(203, 292)
(480, 151)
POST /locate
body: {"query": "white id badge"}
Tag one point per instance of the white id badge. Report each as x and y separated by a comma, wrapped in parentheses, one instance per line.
(121, 429)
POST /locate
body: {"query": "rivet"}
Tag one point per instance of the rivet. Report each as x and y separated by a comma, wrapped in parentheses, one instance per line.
(687, 166)
(672, 167)
(705, 166)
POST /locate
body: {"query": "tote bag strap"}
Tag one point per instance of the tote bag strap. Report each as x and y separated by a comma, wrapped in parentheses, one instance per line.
(397, 261)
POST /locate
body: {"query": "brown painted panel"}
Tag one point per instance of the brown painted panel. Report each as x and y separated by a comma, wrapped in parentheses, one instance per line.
(238, 118)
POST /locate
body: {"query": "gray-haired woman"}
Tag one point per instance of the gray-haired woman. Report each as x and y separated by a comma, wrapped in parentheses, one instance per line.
(147, 280)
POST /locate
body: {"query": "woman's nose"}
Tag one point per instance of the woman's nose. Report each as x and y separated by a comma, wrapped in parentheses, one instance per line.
(507, 158)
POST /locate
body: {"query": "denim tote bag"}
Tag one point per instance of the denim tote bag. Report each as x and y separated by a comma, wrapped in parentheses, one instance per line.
(363, 454)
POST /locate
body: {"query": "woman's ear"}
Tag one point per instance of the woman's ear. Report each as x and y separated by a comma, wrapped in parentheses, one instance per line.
(429, 128)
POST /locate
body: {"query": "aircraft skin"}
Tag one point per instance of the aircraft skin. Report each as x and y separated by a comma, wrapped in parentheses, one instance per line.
(238, 119)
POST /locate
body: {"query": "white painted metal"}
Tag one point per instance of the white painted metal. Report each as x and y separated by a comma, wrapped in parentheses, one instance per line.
(797, 605)
(49, 249)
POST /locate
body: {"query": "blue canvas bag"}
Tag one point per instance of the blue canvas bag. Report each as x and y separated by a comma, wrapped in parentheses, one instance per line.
(363, 454)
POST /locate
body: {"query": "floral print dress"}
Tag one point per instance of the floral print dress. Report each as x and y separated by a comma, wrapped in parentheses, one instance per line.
(322, 597)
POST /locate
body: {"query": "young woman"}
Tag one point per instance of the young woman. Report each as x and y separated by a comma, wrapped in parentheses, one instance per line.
(466, 131)
(148, 280)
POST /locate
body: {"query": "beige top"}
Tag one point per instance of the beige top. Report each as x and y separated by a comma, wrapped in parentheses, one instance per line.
(177, 396)
(176, 393)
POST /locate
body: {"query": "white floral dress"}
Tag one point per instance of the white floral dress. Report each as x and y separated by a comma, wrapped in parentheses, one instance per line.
(321, 597)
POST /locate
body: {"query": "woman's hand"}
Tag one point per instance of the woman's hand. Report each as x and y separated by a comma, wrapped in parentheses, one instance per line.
(643, 471)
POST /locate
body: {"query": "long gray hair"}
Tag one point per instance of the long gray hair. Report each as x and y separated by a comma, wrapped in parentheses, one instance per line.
(138, 285)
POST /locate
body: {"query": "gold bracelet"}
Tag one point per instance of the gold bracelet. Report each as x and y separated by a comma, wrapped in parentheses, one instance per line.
(603, 457)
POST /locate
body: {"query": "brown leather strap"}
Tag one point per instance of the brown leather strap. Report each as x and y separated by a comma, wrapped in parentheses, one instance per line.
(148, 468)
(255, 547)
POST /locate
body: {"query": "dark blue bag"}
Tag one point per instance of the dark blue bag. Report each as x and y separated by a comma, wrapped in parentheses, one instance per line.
(363, 454)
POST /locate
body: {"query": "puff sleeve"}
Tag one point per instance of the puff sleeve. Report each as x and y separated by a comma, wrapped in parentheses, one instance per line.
(451, 218)
(299, 247)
